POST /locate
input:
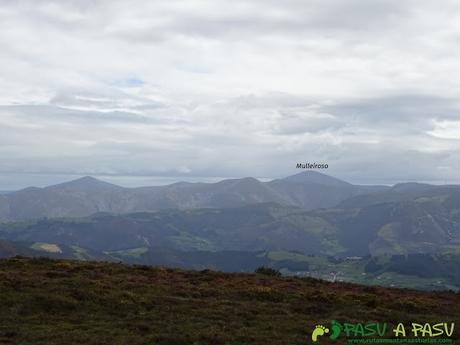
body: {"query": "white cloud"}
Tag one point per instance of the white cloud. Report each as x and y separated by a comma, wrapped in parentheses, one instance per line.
(216, 88)
(446, 129)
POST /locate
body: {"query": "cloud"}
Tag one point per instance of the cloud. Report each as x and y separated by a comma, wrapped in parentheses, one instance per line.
(197, 89)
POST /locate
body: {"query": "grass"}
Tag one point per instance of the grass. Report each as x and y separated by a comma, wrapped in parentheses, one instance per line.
(187, 241)
(81, 253)
(134, 252)
(53, 302)
(46, 247)
(282, 255)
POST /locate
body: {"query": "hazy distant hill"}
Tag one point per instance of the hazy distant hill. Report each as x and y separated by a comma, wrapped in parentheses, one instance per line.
(87, 196)
(314, 190)
(401, 192)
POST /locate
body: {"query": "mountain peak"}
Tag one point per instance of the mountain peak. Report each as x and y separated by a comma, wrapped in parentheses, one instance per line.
(87, 179)
(411, 187)
(249, 180)
(315, 177)
(86, 182)
(240, 181)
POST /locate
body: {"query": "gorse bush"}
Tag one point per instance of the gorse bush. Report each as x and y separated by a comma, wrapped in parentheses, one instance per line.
(268, 271)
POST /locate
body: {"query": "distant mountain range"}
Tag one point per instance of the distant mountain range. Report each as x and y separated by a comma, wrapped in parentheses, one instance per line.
(226, 225)
(308, 212)
(86, 196)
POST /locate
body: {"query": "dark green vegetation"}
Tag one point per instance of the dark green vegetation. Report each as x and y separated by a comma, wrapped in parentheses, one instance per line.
(46, 302)
(268, 271)
(439, 268)
(425, 225)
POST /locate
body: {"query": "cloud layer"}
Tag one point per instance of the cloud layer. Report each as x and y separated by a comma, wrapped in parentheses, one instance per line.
(195, 89)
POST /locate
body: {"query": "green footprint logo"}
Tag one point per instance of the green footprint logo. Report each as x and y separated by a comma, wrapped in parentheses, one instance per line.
(336, 329)
(319, 330)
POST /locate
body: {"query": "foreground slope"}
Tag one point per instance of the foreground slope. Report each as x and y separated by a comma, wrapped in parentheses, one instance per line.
(68, 302)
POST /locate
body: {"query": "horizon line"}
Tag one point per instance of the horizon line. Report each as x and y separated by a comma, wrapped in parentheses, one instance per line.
(170, 180)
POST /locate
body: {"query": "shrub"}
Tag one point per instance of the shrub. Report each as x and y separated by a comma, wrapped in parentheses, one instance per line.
(268, 271)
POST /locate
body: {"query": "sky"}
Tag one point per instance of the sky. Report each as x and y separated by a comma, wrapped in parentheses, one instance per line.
(152, 92)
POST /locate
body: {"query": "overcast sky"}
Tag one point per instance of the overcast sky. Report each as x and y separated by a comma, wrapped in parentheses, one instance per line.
(148, 92)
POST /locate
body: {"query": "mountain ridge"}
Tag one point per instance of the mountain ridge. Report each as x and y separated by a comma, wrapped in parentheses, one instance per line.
(88, 195)
(308, 189)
